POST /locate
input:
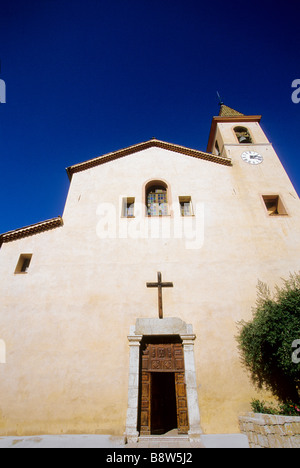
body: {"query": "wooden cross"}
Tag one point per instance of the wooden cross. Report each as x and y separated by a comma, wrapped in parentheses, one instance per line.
(159, 285)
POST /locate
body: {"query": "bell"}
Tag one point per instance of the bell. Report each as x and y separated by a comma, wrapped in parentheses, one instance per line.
(243, 139)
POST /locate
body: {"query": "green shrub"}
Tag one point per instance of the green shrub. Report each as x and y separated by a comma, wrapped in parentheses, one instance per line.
(265, 343)
(261, 407)
(284, 409)
(290, 409)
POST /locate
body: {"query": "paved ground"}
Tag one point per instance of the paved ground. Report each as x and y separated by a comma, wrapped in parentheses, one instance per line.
(111, 442)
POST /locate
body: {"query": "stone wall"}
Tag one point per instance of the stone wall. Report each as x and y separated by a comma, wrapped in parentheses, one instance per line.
(271, 431)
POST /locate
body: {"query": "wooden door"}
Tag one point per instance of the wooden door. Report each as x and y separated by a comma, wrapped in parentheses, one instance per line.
(181, 403)
(163, 358)
(146, 404)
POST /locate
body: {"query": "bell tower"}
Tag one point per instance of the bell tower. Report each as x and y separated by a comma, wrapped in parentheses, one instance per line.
(233, 133)
(256, 169)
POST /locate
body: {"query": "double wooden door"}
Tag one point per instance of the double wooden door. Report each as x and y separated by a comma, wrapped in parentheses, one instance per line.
(163, 400)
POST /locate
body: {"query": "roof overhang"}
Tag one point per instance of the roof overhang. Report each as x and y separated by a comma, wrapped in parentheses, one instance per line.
(218, 119)
(31, 230)
(142, 146)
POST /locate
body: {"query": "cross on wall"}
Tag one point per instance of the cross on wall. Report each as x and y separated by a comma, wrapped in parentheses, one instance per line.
(160, 285)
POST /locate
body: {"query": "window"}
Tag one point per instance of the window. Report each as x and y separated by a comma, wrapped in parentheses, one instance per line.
(274, 205)
(157, 199)
(23, 263)
(243, 135)
(128, 207)
(186, 208)
(217, 149)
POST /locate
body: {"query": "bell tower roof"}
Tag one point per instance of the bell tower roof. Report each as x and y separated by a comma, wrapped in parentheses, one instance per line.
(227, 114)
(226, 111)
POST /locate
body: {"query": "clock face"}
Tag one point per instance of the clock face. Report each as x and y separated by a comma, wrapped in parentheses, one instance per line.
(252, 157)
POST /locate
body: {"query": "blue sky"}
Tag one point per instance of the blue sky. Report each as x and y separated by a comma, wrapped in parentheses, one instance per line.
(86, 77)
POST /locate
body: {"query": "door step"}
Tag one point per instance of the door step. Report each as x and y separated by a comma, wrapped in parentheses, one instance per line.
(166, 441)
(164, 438)
(171, 437)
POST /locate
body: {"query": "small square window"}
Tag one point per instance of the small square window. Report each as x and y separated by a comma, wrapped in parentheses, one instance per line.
(128, 207)
(186, 208)
(274, 205)
(23, 263)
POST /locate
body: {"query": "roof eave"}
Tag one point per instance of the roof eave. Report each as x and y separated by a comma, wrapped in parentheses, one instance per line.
(219, 119)
(31, 230)
(142, 146)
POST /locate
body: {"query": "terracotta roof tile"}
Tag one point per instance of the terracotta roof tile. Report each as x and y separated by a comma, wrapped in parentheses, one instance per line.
(31, 230)
(226, 111)
(141, 146)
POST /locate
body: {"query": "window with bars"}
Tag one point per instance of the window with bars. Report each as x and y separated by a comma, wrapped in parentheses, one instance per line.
(128, 207)
(157, 201)
(186, 208)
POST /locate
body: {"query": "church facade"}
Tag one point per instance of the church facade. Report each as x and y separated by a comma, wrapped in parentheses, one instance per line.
(120, 316)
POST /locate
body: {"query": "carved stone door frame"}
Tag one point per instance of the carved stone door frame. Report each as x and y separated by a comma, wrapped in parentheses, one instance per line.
(166, 326)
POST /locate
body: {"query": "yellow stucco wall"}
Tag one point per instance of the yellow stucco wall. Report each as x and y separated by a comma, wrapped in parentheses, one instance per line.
(65, 323)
